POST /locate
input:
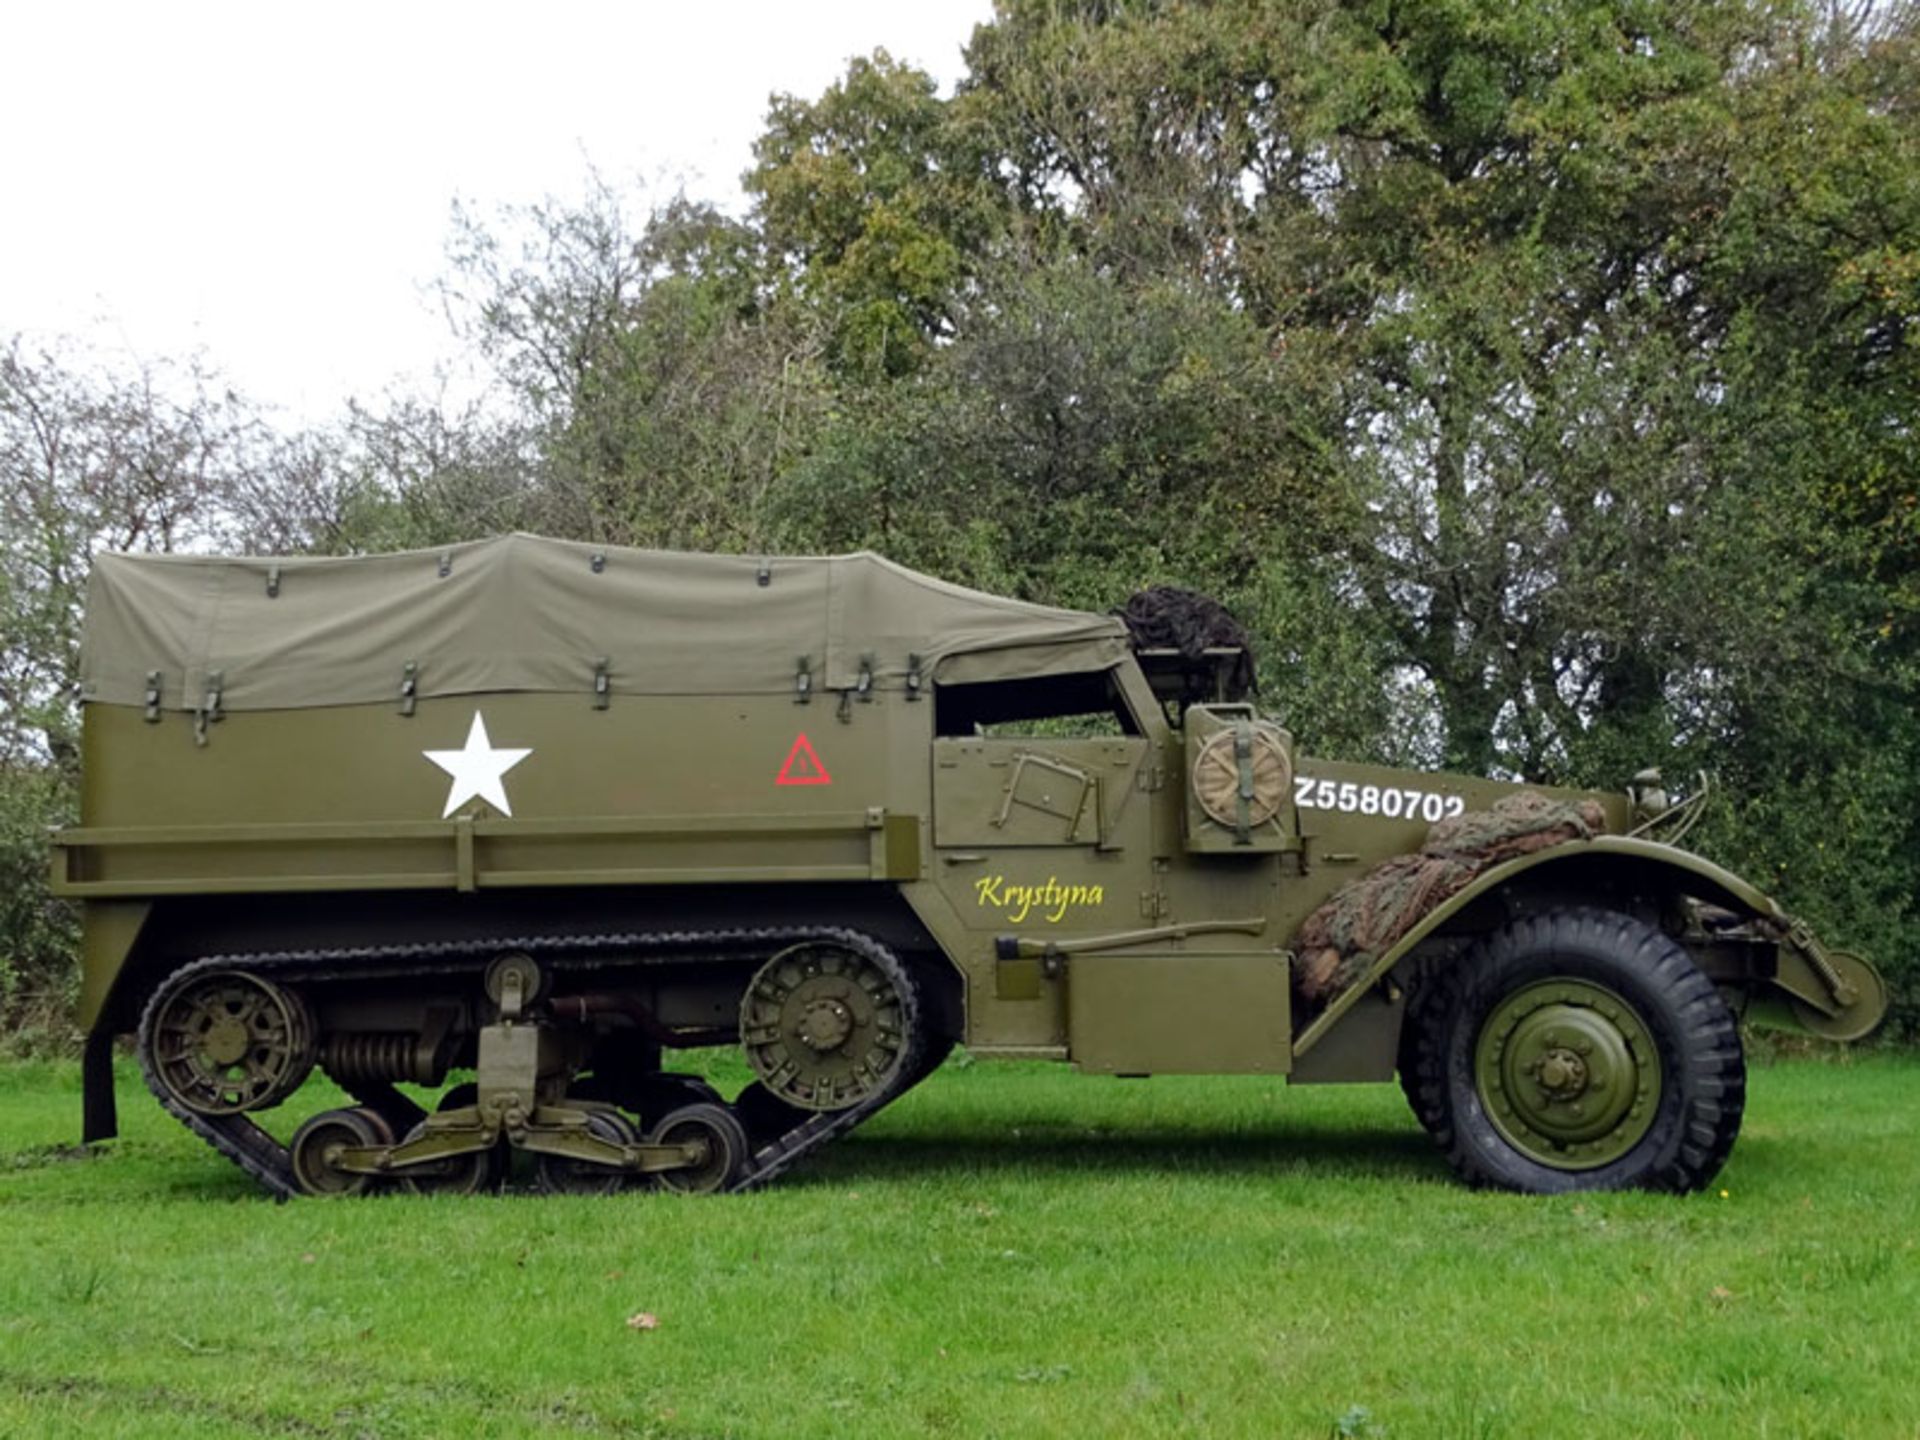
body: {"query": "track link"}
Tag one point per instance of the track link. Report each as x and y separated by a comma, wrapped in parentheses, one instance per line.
(264, 1158)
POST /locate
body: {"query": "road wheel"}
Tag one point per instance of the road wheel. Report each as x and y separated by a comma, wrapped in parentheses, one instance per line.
(467, 1173)
(718, 1137)
(562, 1175)
(314, 1151)
(1580, 1049)
(665, 1091)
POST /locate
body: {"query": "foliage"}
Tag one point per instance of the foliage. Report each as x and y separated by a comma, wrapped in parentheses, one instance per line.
(874, 205)
(152, 460)
(38, 936)
(662, 389)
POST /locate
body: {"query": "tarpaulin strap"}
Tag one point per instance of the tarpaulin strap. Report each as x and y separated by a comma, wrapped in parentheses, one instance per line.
(602, 684)
(1243, 759)
(862, 690)
(153, 697)
(803, 680)
(209, 710)
(409, 686)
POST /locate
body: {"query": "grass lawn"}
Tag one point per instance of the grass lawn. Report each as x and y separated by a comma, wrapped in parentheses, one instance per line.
(1012, 1250)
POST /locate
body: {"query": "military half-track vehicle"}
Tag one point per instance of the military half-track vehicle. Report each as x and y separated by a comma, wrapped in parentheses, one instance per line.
(486, 834)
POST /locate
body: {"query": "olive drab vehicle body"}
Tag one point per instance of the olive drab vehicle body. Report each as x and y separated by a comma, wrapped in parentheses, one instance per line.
(487, 834)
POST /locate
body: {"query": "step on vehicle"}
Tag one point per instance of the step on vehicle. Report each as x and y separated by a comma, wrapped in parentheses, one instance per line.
(485, 834)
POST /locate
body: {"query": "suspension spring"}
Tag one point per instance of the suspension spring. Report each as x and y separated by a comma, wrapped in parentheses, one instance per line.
(374, 1056)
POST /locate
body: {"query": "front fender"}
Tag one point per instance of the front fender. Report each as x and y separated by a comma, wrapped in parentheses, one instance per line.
(1830, 993)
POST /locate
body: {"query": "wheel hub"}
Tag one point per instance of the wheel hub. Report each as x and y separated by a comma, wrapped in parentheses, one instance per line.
(228, 1042)
(1562, 1074)
(824, 1026)
(1569, 1073)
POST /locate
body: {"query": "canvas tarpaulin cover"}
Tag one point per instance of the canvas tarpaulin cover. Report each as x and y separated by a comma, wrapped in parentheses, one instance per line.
(522, 613)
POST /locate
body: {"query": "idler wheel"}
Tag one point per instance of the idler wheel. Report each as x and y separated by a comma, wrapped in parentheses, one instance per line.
(564, 1175)
(827, 1025)
(315, 1150)
(227, 1042)
(722, 1143)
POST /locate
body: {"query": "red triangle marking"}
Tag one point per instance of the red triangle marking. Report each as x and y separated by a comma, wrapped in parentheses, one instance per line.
(802, 765)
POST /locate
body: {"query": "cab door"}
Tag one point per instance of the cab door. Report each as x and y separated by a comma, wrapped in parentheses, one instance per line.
(1038, 832)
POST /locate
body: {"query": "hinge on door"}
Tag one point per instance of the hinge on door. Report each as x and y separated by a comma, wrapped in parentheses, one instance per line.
(1149, 778)
(1153, 904)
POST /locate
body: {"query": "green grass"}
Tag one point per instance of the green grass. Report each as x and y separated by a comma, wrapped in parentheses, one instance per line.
(1010, 1251)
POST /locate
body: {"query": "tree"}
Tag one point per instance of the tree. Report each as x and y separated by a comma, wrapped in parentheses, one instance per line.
(89, 458)
(147, 460)
(873, 202)
(663, 388)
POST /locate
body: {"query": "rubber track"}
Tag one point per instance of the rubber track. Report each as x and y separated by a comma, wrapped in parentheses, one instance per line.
(266, 1159)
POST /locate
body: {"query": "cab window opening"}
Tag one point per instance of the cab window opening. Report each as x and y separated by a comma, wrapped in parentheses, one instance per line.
(1087, 704)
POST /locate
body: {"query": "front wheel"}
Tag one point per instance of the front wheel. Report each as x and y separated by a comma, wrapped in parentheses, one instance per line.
(1579, 1049)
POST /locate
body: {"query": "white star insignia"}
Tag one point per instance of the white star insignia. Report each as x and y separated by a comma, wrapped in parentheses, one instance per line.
(477, 770)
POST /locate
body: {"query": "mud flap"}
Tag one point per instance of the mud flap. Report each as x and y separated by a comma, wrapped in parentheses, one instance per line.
(98, 1118)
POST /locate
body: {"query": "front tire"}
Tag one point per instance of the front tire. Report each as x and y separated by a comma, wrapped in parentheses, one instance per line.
(1578, 1049)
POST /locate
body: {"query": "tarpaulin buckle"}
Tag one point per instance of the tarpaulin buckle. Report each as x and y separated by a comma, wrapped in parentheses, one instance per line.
(409, 687)
(913, 677)
(1244, 795)
(803, 681)
(602, 684)
(153, 697)
(209, 710)
(273, 582)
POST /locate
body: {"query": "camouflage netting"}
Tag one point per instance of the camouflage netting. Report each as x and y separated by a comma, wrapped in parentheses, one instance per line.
(1339, 941)
(1165, 617)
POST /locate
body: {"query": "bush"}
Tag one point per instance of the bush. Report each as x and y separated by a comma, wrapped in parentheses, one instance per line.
(39, 935)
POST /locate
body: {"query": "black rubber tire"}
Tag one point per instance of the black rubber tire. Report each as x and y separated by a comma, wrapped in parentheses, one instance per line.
(1703, 1072)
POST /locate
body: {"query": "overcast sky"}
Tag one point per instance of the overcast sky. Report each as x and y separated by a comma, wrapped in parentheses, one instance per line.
(270, 183)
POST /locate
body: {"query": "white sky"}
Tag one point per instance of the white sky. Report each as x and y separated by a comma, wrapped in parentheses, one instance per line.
(270, 183)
